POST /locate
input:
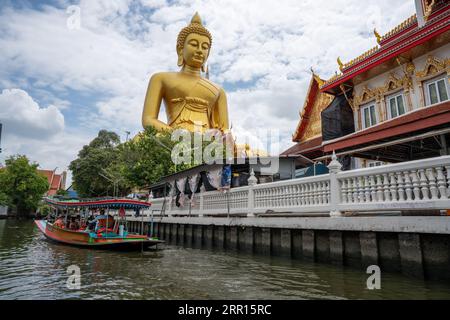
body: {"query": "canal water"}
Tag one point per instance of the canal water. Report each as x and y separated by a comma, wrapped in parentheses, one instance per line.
(33, 268)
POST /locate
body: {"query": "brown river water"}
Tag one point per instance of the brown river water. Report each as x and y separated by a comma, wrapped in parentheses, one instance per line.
(32, 267)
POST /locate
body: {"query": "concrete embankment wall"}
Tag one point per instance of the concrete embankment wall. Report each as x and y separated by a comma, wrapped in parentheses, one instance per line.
(415, 246)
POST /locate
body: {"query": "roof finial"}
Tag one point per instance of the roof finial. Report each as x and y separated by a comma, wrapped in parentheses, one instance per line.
(377, 35)
(317, 78)
(341, 65)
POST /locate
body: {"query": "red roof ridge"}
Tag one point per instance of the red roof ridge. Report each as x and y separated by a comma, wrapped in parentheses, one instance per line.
(388, 44)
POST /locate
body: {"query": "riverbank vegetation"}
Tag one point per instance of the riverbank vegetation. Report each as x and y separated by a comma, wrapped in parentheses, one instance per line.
(21, 186)
(105, 164)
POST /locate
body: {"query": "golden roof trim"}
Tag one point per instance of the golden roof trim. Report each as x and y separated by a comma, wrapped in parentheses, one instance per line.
(334, 77)
(408, 22)
(361, 57)
(342, 66)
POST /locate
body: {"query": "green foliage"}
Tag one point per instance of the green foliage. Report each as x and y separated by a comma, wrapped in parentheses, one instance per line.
(136, 164)
(147, 158)
(44, 209)
(22, 187)
(93, 159)
(4, 199)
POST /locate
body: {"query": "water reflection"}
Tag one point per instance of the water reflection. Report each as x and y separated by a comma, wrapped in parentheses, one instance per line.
(33, 268)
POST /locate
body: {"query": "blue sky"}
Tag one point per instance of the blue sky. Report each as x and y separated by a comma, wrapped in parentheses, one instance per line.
(60, 85)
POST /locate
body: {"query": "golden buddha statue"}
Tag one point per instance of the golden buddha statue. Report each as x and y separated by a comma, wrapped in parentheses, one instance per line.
(191, 101)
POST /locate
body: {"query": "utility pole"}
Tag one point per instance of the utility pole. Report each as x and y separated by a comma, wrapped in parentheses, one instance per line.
(114, 179)
(128, 133)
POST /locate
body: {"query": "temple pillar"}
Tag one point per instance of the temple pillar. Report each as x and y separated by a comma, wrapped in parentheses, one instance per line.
(421, 95)
(381, 109)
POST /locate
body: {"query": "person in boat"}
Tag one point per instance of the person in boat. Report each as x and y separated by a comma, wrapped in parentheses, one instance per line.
(74, 225)
(59, 222)
(91, 223)
(81, 222)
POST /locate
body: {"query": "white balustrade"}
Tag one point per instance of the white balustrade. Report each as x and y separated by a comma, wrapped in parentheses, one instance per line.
(297, 195)
(415, 185)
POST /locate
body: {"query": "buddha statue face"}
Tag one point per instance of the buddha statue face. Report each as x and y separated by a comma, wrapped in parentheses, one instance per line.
(193, 44)
(196, 50)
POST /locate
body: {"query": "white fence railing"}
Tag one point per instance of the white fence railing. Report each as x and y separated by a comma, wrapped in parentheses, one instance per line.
(415, 185)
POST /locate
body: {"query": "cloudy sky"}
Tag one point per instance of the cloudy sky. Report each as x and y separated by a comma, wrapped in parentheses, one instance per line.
(71, 68)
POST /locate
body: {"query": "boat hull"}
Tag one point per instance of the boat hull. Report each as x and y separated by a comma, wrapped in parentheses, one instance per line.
(83, 239)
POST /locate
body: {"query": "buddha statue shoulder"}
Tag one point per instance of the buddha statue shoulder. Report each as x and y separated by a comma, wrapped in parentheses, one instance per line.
(191, 101)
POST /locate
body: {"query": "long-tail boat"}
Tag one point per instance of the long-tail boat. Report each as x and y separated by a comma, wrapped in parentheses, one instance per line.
(106, 232)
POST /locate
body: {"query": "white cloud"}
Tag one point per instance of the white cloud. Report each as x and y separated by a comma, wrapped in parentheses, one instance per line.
(154, 3)
(23, 117)
(54, 152)
(37, 132)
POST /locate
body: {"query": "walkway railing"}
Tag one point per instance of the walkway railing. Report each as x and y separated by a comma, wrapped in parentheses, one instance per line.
(415, 185)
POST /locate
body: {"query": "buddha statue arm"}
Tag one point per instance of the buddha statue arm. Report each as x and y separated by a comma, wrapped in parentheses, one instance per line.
(152, 104)
(221, 112)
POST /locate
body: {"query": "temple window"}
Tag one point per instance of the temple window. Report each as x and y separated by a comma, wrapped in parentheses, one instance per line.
(436, 90)
(368, 115)
(396, 105)
(374, 163)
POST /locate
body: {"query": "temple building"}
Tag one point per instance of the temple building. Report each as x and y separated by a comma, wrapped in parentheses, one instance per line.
(390, 104)
(55, 181)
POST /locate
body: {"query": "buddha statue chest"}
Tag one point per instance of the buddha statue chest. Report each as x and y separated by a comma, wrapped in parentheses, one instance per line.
(189, 100)
(185, 86)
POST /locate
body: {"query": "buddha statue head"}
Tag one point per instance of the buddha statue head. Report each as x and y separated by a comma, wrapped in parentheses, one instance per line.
(193, 44)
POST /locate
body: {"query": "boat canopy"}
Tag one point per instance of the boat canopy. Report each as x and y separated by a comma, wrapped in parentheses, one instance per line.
(99, 203)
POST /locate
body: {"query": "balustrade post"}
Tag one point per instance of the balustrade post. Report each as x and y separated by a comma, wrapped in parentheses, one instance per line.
(200, 209)
(167, 208)
(169, 202)
(252, 181)
(335, 189)
(168, 199)
(447, 170)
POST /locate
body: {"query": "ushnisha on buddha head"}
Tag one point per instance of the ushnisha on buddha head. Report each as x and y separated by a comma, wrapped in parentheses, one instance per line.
(193, 44)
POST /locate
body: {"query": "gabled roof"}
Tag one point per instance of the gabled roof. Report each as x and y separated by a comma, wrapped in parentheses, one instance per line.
(48, 174)
(309, 126)
(55, 181)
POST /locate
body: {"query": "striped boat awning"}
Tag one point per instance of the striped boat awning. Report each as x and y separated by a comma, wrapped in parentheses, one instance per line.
(105, 203)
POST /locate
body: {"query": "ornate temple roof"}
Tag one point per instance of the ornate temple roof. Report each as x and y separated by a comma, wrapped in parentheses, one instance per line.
(403, 37)
(308, 133)
(310, 125)
(55, 181)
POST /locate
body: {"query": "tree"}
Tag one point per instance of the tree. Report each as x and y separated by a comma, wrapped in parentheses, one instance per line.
(22, 187)
(147, 158)
(99, 155)
(4, 199)
(137, 163)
